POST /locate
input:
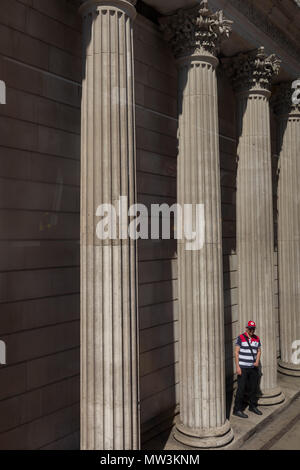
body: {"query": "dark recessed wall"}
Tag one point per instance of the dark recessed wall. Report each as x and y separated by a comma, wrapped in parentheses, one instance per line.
(40, 61)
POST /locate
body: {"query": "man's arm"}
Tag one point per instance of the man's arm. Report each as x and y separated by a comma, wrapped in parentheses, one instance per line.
(256, 363)
(238, 369)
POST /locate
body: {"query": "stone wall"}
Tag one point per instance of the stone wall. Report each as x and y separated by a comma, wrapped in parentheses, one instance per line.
(156, 118)
(40, 49)
(156, 181)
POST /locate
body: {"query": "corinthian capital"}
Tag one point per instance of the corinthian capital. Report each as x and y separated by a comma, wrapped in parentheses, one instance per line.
(253, 70)
(195, 31)
(282, 100)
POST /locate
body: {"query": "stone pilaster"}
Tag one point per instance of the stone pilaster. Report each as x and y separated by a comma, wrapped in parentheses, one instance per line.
(195, 35)
(109, 331)
(251, 75)
(288, 227)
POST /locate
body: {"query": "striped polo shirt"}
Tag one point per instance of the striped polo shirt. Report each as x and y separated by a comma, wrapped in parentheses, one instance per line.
(245, 355)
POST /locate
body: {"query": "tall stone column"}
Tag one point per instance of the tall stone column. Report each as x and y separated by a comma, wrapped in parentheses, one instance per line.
(288, 227)
(109, 330)
(195, 35)
(251, 75)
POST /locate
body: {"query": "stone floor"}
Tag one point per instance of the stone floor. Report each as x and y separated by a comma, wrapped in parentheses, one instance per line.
(278, 427)
(282, 433)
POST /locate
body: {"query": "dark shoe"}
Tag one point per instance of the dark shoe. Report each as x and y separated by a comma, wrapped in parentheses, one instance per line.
(255, 410)
(240, 414)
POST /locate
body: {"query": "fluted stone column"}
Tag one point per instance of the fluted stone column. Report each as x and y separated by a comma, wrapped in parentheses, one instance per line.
(252, 74)
(288, 227)
(109, 348)
(202, 377)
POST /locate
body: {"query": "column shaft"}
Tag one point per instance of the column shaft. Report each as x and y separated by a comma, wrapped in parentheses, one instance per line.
(252, 74)
(289, 231)
(202, 384)
(255, 233)
(195, 35)
(109, 331)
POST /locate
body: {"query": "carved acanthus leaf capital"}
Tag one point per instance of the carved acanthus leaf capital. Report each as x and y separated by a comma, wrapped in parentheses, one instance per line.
(195, 31)
(283, 102)
(252, 70)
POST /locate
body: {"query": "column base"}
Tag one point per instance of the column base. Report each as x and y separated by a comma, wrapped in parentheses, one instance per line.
(289, 369)
(270, 397)
(204, 438)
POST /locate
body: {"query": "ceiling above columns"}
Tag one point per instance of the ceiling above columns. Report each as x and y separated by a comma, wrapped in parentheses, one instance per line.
(167, 6)
(273, 24)
(270, 23)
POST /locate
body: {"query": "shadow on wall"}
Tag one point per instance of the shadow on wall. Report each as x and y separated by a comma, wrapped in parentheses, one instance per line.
(157, 148)
(228, 182)
(228, 175)
(278, 128)
(158, 314)
(39, 235)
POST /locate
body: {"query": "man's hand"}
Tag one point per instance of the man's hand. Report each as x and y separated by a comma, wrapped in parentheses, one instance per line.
(238, 369)
(256, 363)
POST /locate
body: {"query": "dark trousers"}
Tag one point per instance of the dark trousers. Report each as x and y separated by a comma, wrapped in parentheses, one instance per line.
(248, 381)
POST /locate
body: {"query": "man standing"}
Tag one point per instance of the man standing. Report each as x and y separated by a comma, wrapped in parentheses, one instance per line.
(247, 356)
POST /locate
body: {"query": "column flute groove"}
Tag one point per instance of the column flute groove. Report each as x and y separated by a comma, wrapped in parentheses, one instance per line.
(195, 35)
(109, 320)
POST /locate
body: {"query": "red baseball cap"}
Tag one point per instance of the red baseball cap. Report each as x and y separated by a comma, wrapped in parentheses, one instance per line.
(251, 324)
